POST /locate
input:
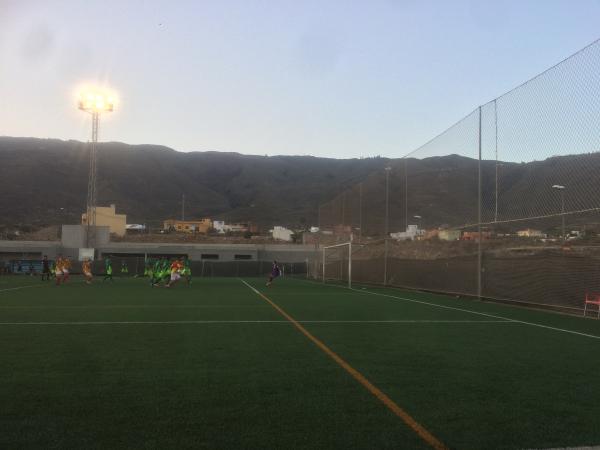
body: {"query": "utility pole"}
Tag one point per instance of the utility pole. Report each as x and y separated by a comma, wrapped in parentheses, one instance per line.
(562, 208)
(387, 224)
(360, 213)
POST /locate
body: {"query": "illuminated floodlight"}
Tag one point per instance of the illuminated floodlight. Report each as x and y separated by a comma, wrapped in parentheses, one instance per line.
(96, 101)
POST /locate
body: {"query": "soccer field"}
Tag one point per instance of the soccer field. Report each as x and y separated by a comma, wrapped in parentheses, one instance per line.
(229, 363)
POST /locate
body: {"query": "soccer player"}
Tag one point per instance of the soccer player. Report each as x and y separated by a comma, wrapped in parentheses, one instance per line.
(166, 271)
(161, 271)
(45, 268)
(155, 273)
(175, 269)
(108, 270)
(275, 272)
(66, 269)
(58, 270)
(87, 270)
(124, 269)
(187, 270)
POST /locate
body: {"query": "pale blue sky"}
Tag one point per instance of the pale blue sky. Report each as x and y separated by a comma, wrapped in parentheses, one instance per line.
(325, 78)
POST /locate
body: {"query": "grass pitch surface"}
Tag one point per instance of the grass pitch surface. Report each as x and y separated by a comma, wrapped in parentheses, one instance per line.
(214, 365)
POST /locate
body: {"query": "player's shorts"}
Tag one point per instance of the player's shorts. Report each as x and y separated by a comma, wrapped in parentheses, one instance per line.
(175, 276)
(58, 273)
(87, 274)
(66, 271)
(46, 270)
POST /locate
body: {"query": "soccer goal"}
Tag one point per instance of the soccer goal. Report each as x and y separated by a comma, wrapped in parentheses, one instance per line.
(337, 262)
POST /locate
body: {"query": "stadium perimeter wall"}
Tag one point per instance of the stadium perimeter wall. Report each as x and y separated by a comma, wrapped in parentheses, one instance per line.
(11, 250)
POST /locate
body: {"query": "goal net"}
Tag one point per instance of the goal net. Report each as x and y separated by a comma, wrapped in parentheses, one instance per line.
(337, 263)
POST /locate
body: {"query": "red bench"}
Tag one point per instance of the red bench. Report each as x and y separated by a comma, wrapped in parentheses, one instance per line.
(591, 299)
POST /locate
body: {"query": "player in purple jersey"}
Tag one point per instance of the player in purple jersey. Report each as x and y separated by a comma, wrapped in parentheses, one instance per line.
(275, 272)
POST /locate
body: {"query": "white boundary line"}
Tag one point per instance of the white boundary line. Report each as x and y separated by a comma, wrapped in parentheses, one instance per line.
(165, 306)
(22, 287)
(493, 316)
(562, 330)
(208, 322)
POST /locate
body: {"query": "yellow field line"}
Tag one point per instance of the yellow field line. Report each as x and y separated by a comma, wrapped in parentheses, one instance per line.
(391, 405)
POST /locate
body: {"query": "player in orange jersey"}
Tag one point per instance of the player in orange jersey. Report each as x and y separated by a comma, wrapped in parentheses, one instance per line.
(87, 270)
(176, 268)
(66, 269)
(59, 269)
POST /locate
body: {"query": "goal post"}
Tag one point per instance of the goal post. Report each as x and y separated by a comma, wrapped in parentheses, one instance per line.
(337, 262)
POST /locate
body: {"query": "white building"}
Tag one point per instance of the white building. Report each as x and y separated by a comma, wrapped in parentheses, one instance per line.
(449, 235)
(529, 232)
(219, 226)
(411, 233)
(282, 234)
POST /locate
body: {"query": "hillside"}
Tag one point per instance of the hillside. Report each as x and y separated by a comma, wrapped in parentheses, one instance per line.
(38, 177)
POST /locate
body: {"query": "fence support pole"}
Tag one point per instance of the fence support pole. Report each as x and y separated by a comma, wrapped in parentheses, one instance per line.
(350, 262)
(479, 267)
(323, 250)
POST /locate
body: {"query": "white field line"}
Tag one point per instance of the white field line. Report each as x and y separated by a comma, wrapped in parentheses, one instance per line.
(595, 447)
(493, 316)
(166, 306)
(532, 324)
(209, 322)
(22, 287)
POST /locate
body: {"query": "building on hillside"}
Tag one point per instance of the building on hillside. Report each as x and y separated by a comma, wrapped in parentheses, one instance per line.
(430, 234)
(188, 226)
(411, 233)
(237, 227)
(529, 232)
(107, 216)
(474, 235)
(221, 227)
(135, 228)
(282, 234)
(449, 235)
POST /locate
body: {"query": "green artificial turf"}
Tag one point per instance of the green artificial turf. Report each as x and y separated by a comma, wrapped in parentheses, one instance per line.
(124, 365)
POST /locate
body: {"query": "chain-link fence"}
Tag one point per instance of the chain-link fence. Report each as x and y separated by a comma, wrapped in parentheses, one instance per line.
(505, 204)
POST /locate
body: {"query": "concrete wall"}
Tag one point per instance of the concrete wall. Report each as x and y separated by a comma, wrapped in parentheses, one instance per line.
(74, 236)
(75, 239)
(29, 249)
(224, 252)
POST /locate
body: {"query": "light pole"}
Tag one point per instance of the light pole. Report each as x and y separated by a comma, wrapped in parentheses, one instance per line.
(387, 220)
(94, 103)
(562, 207)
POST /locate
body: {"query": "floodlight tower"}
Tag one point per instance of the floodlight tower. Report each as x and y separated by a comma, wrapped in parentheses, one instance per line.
(94, 103)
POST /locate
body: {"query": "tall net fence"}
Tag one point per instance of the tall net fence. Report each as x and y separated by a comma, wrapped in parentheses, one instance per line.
(505, 204)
